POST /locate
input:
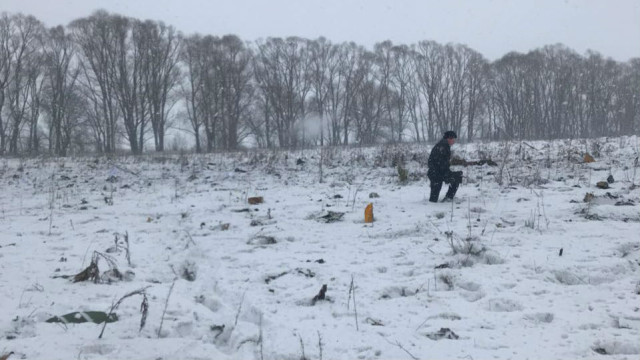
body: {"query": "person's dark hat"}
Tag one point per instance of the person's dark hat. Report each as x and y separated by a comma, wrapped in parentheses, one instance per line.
(450, 135)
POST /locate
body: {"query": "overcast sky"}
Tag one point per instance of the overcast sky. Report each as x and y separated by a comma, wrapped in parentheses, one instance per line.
(492, 27)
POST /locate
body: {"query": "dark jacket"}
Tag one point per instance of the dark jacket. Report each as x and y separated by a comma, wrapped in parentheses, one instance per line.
(439, 161)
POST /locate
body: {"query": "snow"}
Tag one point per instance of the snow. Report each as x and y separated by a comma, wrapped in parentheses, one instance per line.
(477, 279)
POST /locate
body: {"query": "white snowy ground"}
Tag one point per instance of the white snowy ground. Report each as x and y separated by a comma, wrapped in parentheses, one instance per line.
(513, 298)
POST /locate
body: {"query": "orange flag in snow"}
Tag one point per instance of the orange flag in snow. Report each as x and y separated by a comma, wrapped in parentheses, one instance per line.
(368, 213)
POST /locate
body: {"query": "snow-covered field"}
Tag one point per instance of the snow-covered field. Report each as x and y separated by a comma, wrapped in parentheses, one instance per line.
(525, 269)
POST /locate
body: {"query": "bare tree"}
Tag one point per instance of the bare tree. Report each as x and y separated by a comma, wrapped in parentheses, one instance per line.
(192, 58)
(476, 87)
(629, 95)
(342, 88)
(97, 41)
(383, 73)
(323, 71)
(368, 107)
(281, 71)
(6, 62)
(402, 78)
(552, 88)
(127, 69)
(62, 73)
(35, 85)
(158, 48)
(218, 89)
(507, 88)
(429, 60)
(237, 89)
(597, 91)
(24, 43)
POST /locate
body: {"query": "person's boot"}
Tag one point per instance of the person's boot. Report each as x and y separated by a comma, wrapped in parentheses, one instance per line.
(453, 185)
(453, 188)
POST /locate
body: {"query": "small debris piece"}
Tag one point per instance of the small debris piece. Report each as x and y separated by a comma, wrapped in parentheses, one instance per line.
(588, 158)
(593, 217)
(262, 240)
(239, 170)
(374, 322)
(111, 276)
(373, 195)
(255, 200)
(600, 351)
(299, 162)
(218, 328)
(442, 266)
(319, 261)
(307, 273)
(330, 217)
(588, 197)
(112, 249)
(337, 196)
(443, 333)
(560, 252)
(90, 273)
(602, 185)
(222, 227)
(510, 223)
(270, 278)
(610, 179)
(189, 271)
(97, 317)
(320, 296)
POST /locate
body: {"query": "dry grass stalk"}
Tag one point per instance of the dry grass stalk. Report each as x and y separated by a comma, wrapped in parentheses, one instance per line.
(144, 308)
(166, 303)
(92, 272)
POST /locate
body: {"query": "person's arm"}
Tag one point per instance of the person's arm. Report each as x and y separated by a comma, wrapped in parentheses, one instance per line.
(442, 159)
(446, 156)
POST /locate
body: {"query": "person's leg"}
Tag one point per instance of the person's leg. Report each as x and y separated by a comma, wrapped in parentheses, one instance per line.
(454, 180)
(435, 190)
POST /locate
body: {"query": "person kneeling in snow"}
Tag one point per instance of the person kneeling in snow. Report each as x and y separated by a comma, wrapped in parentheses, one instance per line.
(439, 171)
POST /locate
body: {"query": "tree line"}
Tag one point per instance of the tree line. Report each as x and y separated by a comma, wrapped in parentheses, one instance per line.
(108, 82)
